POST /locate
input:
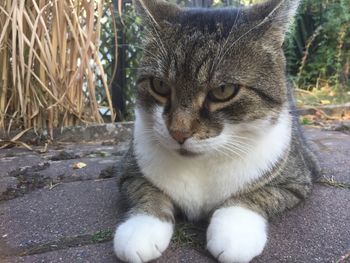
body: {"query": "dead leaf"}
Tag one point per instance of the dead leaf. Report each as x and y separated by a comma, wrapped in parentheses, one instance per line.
(79, 165)
(325, 102)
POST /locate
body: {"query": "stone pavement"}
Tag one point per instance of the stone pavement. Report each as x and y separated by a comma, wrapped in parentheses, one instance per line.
(50, 212)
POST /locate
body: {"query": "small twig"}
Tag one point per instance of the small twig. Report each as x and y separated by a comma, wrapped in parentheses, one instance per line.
(15, 140)
(332, 182)
(44, 150)
(52, 186)
(306, 53)
(6, 144)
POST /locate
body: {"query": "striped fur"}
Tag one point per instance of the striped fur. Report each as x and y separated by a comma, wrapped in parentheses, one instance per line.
(244, 161)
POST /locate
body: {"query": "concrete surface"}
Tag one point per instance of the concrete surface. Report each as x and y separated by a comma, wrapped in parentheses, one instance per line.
(50, 212)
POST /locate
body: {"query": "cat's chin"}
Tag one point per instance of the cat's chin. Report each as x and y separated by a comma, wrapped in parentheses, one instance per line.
(187, 153)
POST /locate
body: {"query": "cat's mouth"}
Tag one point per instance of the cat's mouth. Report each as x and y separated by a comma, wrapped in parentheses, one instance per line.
(187, 153)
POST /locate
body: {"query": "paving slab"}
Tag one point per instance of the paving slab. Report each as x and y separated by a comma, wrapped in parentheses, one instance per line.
(14, 158)
(63, 171)
(89, 149)
(67, 211)
(11, 162)
(116, 132)
(103, 253)
(7, 183)
(98, 253)
(183, 254)
(24, 171)
(66, 219)
(316, 231)
(333, 150)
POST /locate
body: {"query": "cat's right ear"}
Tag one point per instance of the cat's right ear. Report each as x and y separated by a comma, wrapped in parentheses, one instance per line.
(154, 12)
(275, 17)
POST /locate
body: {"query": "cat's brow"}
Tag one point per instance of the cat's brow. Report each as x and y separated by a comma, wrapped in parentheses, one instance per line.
(201, 71)
(265, 96)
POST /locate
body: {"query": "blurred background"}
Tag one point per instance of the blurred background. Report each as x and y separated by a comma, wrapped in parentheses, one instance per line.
(74, 62)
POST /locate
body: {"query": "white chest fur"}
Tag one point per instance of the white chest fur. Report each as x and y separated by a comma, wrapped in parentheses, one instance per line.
(199, 184)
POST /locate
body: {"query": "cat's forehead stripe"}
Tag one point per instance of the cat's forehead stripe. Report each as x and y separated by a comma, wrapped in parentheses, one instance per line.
(211, 20)
(194, 62)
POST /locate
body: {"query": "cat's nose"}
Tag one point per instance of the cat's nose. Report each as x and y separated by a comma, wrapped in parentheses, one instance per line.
(180, 136)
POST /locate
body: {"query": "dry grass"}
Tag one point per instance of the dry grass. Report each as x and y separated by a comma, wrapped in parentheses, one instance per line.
(49, 63)
(324, 95)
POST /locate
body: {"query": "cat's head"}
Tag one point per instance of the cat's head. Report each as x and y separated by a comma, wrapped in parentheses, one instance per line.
(211, 78)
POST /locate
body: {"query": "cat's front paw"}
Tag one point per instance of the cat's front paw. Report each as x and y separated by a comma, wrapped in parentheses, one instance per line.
(236, 235)
(142, 238)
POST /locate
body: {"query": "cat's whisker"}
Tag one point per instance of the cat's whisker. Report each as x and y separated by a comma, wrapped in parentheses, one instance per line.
(162, 47)
(219, 151)
(222, 48)
(237, 146)
(140, 48)
(241, 138)
(231, 155)
(240, 144)
(231, 150)
(116, 13)
(137, 68)
(235, 150)
(233, 141)
(236, 19)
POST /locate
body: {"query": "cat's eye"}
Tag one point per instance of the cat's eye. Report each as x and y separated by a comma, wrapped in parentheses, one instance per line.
(159, 87)
(223, 93)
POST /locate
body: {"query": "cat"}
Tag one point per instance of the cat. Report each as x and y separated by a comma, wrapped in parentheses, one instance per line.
(214, 137)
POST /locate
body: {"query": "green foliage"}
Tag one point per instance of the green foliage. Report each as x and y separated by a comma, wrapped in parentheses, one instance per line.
(133, 34)
(304, 121)
(128, 27)
(102, 236)
(318, 48)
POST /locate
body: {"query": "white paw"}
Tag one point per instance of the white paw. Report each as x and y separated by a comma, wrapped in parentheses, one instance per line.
(142, 238)
(236, 235)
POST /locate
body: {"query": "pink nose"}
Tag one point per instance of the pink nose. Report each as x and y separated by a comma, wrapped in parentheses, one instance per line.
(180, 136)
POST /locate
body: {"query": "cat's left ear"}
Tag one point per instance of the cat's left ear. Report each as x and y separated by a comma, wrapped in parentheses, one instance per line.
(275, 17)
(154, 12)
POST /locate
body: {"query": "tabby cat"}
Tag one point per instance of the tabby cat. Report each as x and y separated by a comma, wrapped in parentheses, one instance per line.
(213, 138)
